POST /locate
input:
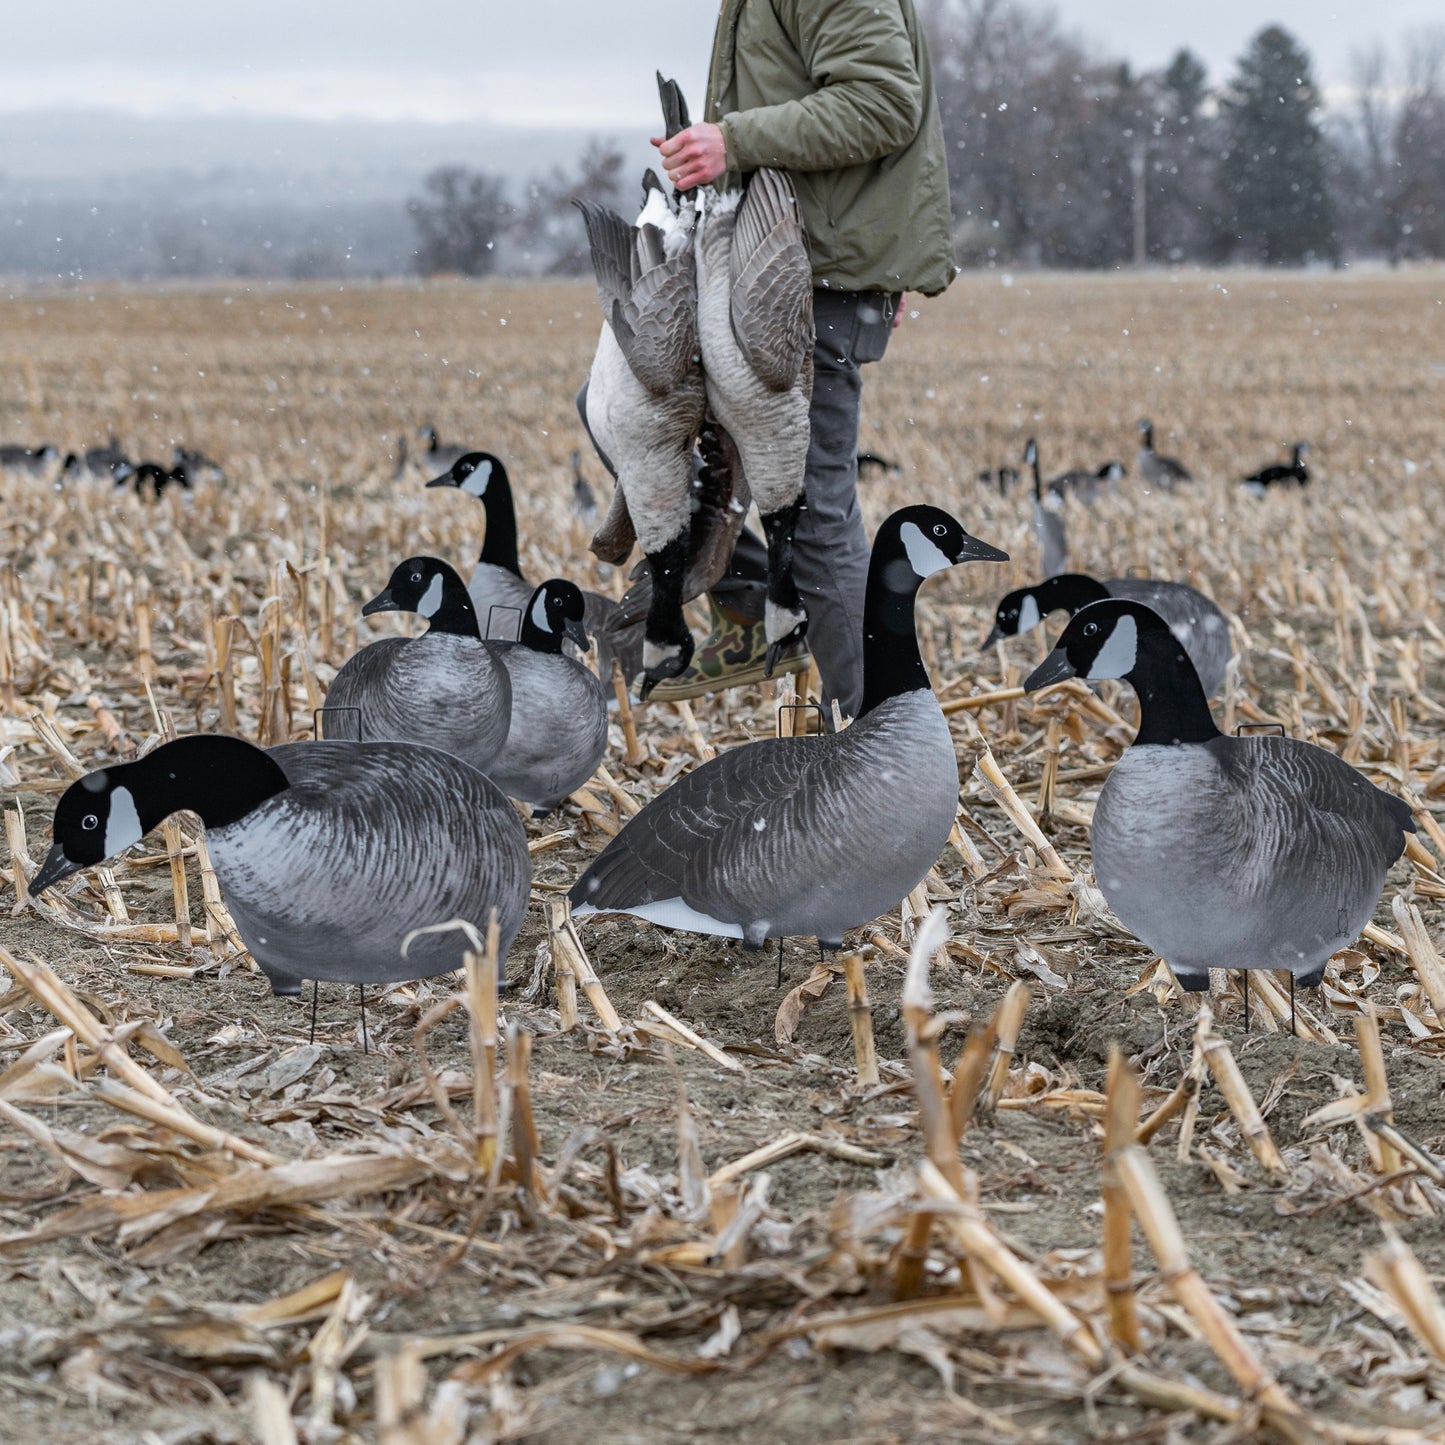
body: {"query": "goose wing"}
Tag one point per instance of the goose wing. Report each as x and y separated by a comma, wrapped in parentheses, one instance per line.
(648, 297)
(772, 282)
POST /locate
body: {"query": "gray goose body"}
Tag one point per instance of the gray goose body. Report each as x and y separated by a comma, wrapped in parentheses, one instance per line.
(1195, 620)
(440, 690)
(809, 835)
(1154, 467)
(369, 842)
(1220, 852)
(31, 460)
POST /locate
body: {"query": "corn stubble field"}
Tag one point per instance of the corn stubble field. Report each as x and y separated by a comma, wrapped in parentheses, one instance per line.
(678, 1203)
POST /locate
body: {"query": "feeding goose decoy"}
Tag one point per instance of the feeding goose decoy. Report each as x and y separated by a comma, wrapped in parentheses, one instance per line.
(1196, 621)
(809, 835)
(153, 476)
(189, 466)
(497, 582)
(644, 401)
(107, 461)
(1088, 486)
(558, 731)
(447, 688)
(1156, 469)
(755, 329)
(1296, 473)
(32, 460)
(1048, 524)
(1223, 852)
(328, 854)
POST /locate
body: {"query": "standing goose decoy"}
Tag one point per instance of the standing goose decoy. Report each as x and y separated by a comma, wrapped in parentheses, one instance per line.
(497, 581)
(755, 328)
(447, 688)
(1088, 486)
(32, 460)
(1295, 474)
(1159, 471)
(1048, 524)
(644, 400)
(1196, 621)
(1223, 852)
(558, 731)
(809, 835)
(328, 853)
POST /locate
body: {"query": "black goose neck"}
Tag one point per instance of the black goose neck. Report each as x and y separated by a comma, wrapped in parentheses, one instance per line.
(499, 546)
(1069, 592)
(1172, 705)
(892, 664)
(455, 616)
(539, 639)
(220, 778)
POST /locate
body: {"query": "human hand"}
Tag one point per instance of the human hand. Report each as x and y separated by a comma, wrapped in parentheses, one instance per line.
(694, 156)
(898, 312)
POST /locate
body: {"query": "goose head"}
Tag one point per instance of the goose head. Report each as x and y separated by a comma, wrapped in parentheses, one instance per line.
(95, 819)
(472, 474)
(431, 588)
(918, 541)
(1018, 612)
(556, 611)
(1031, 452)
(1111, 472)
(1103, 640)
(1144, 426)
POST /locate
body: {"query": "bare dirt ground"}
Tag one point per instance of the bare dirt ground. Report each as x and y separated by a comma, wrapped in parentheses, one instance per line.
(214, 1229)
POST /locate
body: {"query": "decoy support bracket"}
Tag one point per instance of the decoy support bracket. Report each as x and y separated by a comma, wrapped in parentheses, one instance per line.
(318, 716)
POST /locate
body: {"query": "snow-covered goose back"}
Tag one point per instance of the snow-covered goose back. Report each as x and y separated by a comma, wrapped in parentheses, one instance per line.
(809, 835)
(1222, 852)
(328, 854)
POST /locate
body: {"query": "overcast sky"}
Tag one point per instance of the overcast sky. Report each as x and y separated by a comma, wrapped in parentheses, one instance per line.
(538, 62)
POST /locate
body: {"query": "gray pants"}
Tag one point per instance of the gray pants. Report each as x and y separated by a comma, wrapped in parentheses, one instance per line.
(830, 548)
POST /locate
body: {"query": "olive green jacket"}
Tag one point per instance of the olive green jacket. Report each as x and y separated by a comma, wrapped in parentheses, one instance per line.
(839, 93)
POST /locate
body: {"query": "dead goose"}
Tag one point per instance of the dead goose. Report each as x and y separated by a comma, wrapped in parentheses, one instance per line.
(1223, 852)
(558, 731)
(755, 329)
(497, 587)
(1196, 621)
(446, 688)
(328, 853)
(809, 835)
(1158, 470)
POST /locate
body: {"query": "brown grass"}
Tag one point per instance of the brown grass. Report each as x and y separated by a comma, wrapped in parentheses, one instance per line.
(702, 1223)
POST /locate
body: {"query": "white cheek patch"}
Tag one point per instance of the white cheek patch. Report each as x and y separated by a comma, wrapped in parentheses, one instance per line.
(1029, 615)
(122, 824)
(1119, 653)
(476, 484)
(431, 599)
(925, 556)
(539, 609)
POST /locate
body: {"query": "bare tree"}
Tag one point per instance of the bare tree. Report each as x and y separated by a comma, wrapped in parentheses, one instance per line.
(459, 221)
(550, 226)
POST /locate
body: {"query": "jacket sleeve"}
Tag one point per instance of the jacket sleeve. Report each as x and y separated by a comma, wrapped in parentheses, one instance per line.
(869, 100)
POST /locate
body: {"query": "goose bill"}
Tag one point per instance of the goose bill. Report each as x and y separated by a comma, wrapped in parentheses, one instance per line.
(55, 867)
(382, 602)
(445, 480)
(1054, 668)
(997, 635)
(975, 551)
(578, 633)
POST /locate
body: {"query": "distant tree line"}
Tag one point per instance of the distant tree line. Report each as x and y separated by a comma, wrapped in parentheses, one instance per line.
(1060, 157)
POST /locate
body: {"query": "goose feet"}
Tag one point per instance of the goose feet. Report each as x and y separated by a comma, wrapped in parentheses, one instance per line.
(784, 619)
(667, 645)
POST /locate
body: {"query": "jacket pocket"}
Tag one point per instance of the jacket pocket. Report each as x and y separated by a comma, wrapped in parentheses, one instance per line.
(876, 310)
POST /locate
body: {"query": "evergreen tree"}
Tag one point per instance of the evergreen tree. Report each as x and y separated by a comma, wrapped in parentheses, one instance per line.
(1275, 194)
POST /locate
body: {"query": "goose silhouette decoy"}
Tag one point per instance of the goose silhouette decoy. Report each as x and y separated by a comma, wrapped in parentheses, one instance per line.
(558, 731)
(1156, 469)
(809, 835)
(328, 854)
(436, 457)
(1215, 851)
(32, 460)
(107, 461)
(1196, 621)
(1296, 473)
(447, 688)
(497, 582)
(1088, 486)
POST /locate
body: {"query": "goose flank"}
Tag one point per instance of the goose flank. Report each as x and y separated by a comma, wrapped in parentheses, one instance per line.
(1196, 621)
(446, 688)
(809, 835)
(328, 853)
(558, 731)
(1223, 852)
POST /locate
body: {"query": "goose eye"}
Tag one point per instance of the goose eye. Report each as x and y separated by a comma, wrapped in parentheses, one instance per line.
(90, 822)
(939, 530)
(416, 576)
(1090, 628)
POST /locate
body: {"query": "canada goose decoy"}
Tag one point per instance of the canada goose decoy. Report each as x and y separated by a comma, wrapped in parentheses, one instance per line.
(755, 328)
(328, 853)
(32, 460)
(1048, 524)
(436, 457)
(1159, 471)
(107, 461)
(189, 466)
(1088, 486)
(1196, 621)
(1002, 478)
(1295, 474)
(447, 688)
(497, 582)
(558, 731)
(1223, 852)
(644, 401)
(871, 464)
(153, 477)
(584, 499)
(809, 835)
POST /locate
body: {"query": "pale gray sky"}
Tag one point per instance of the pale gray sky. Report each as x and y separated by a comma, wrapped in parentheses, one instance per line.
(538, 62)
